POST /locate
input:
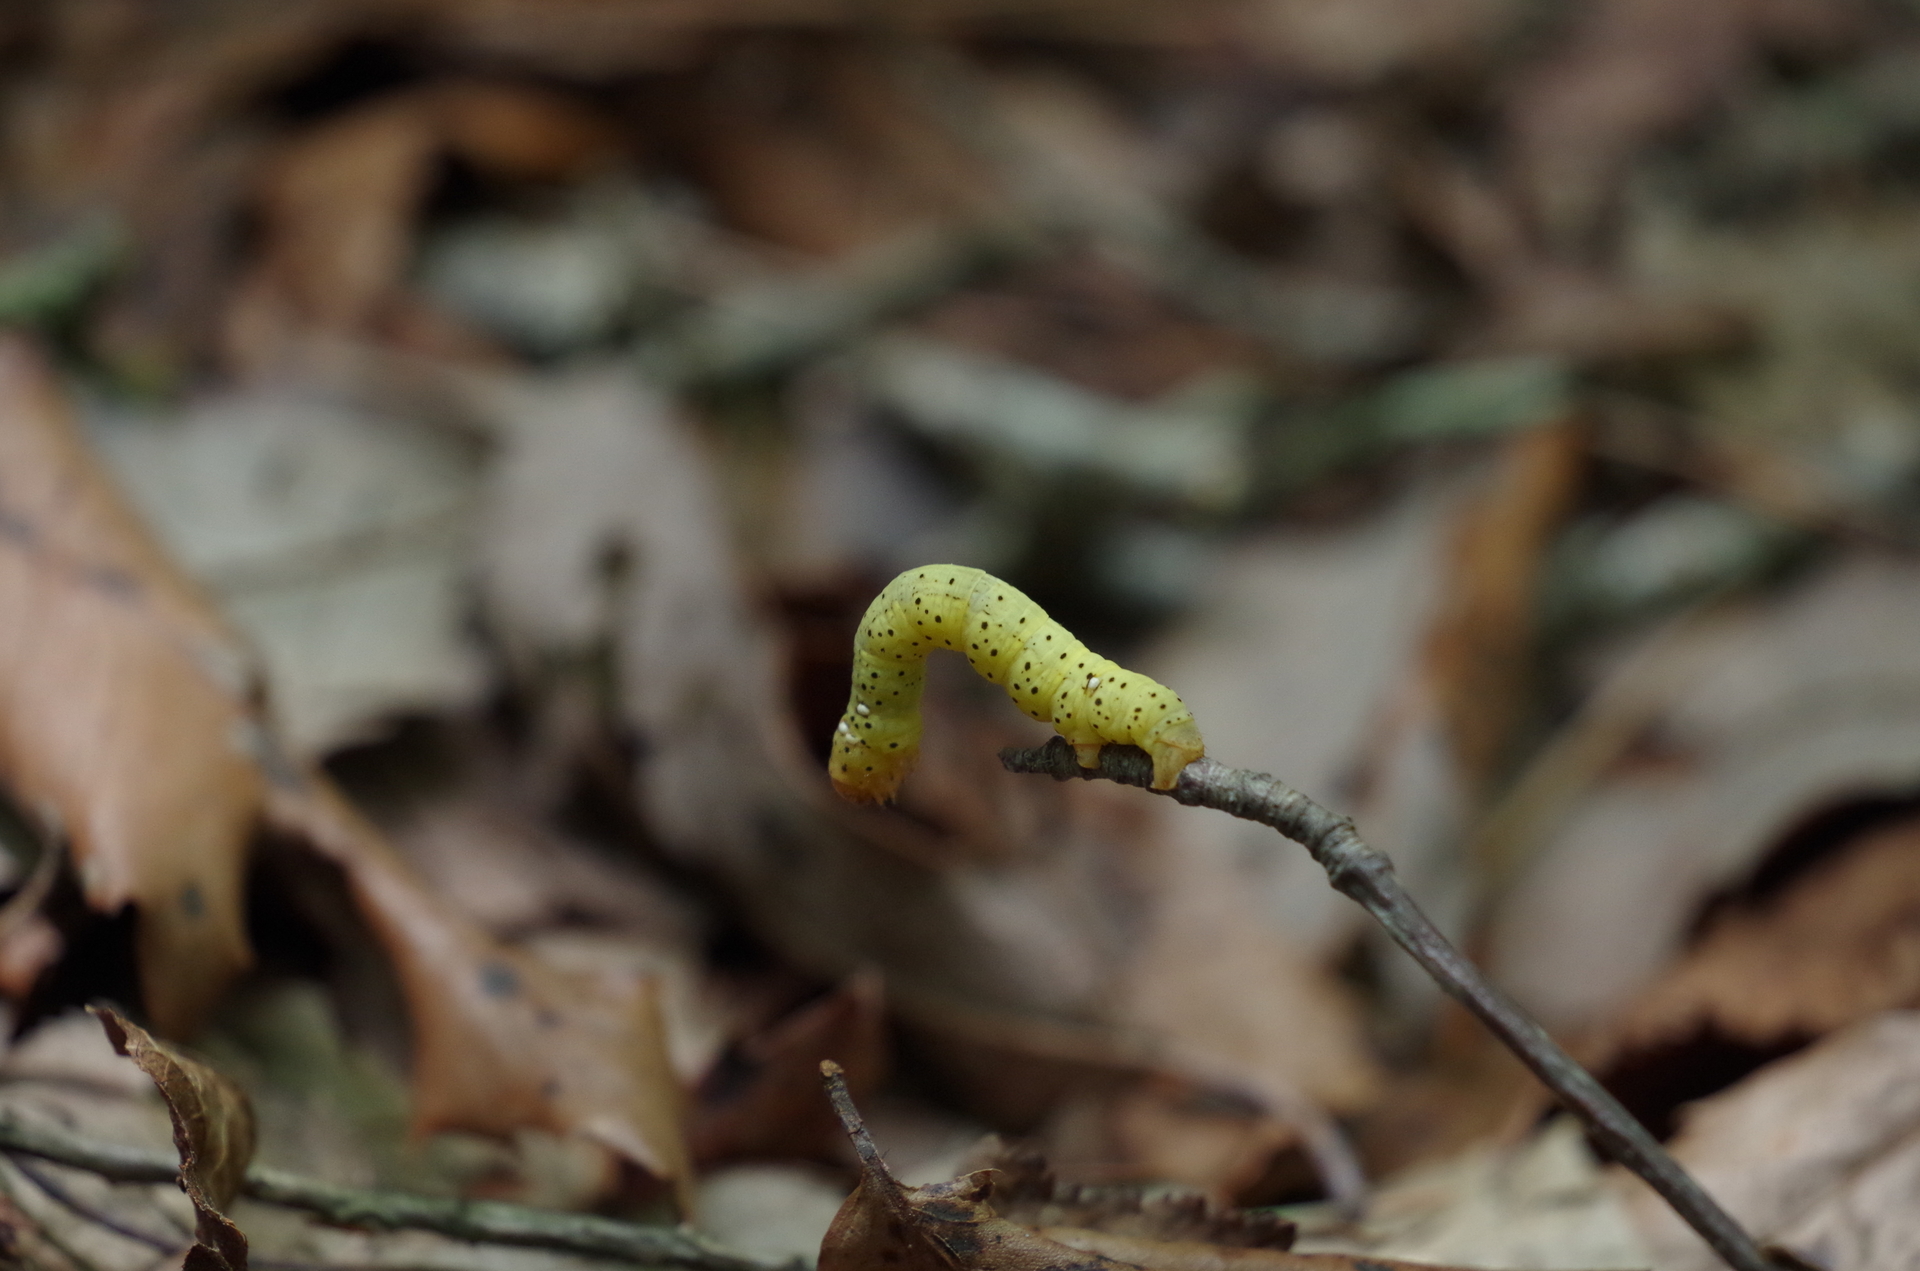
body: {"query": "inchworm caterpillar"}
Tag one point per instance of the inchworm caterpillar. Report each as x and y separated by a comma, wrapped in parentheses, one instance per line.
(1050, 675)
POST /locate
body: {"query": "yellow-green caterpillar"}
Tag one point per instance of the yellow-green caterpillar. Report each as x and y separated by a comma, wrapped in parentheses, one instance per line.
(1051, 676)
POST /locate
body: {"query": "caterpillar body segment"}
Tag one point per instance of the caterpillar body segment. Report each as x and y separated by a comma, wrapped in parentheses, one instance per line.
(1090, 700)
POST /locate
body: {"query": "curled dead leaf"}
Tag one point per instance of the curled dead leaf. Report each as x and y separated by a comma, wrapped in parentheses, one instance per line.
(213, 1130)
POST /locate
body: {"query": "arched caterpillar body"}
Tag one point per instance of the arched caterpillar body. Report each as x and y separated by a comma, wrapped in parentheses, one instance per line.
(1050, 675)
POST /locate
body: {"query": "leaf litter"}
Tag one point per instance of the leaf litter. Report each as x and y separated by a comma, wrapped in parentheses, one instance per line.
(956, 1224)
(476, 1001)
(511, 370)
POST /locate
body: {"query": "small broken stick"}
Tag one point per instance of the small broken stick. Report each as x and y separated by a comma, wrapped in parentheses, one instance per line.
(887, 1226)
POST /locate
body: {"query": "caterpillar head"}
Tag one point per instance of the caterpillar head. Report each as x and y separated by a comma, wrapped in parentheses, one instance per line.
(862, 774)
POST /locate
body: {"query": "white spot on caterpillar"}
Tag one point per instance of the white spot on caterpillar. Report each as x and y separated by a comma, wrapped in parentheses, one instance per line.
(861, 709)
(1093, 682)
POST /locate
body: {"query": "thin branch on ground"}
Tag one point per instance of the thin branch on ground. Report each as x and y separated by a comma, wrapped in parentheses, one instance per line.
(480, 1221)
(1366, 876)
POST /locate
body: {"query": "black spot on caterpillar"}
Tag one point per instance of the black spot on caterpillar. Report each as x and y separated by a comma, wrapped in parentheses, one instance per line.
(1089, 700)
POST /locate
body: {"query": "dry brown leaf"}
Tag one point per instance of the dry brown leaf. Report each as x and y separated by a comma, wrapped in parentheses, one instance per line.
(1819, 1152)
(337, 210)
(338, 207)
(1631, 71)
(763, 1100)
(1839, 944)
(1365, 40)
(502, 1041)
(1536, 1199)
(136, 118)
(953, 1226)
(941, 1227)
(1015, 949)
(121, 724)
(489, 856)
(823, 153)
(27, 948)
(1027, 1191)
(115, 119)
(521, 132)
(1212, 1138)
(1294, 648)
(1232, 1000)
(123, 703)
(1534, 302)
(1477, 648)
(595, 40)
(29, 941)
(213, 1131)
(1732, 728)
(1092, 324)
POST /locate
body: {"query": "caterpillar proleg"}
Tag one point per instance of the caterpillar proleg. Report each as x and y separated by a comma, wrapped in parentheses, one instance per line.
(1050, 675)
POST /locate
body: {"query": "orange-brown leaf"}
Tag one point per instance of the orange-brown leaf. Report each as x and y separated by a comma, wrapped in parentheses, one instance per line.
(521, 132)
(1477, 648)
(857, 164)
(502, 1042)
(213, 1131)
(1835, 946)
(123, 703)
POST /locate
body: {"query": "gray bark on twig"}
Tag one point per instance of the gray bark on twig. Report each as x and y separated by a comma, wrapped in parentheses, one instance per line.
(481, 1221)
(1367, 877)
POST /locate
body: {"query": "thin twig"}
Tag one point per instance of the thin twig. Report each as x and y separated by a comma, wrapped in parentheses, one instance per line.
(483, 1221)
(835, 1079)
(1365, 875)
